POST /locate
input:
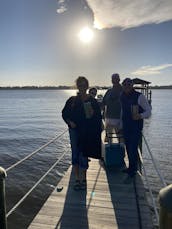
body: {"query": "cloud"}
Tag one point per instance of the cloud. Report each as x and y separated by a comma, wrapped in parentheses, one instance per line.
(129, 13)
(150, 70)
(62, 7)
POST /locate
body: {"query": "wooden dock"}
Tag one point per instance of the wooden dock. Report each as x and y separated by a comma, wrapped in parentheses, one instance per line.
(108, 203)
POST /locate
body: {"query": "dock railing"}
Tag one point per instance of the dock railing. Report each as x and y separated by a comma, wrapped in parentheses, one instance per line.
(3, 174)
(4, 215)
(158, 172)
(3, 220)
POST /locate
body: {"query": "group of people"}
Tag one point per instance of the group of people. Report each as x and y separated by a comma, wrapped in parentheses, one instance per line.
(123, 109)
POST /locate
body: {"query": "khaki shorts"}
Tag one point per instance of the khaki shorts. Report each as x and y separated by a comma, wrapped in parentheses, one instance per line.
(112, 125)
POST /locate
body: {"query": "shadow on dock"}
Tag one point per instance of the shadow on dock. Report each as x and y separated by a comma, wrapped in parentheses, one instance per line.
(74, 213)
(108, 203)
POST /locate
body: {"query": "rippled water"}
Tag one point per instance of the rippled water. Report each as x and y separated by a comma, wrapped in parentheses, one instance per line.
(30, 118)
(158, 131)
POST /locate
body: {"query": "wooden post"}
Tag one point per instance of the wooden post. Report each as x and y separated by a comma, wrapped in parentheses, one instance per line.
(165, 200)
(3, 221)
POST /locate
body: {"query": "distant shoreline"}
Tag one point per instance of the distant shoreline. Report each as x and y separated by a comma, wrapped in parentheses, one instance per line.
(66, 87)
(36, 88)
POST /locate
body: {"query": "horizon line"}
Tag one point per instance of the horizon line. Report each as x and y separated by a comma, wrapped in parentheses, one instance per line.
(70, 87)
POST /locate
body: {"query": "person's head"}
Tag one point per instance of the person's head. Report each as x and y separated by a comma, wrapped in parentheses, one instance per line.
(93, 92)
(127, 85)
(115, 78)
(82, 84)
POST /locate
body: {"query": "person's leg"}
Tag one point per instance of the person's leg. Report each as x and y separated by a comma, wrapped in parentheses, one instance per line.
(135, 138)
(75, 151)
(132, 141)
(83, 167)
(109, 130)
(83, 174)
(117, 128)
(76, 171)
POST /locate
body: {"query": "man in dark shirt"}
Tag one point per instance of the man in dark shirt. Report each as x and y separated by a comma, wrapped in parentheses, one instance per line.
(112, 106)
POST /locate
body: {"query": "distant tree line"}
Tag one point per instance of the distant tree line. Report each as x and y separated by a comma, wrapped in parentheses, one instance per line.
(162, 87)
(61, 87)
(38, 87)
(45, 87)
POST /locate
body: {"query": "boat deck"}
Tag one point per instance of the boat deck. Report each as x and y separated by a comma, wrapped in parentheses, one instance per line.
(108, 203)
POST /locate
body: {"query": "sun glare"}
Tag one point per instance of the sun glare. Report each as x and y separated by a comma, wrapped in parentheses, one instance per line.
(86, 35)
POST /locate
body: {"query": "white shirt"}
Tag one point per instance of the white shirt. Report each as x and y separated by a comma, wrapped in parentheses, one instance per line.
(143, 102)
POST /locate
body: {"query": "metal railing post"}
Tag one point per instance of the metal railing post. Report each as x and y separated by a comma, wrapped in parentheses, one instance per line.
(139, 162)
(3, 220)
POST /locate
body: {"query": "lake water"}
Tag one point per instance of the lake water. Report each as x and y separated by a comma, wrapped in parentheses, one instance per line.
(30, 118)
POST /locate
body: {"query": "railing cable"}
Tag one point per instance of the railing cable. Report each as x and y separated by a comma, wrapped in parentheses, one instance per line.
(154, 163)
(36, 184)
(149, 188)
(36, 151)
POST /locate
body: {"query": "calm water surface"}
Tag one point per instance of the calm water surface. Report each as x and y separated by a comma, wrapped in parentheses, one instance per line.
(30, 118)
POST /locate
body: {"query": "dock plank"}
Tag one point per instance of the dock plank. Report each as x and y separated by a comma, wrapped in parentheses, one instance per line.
(107, 203)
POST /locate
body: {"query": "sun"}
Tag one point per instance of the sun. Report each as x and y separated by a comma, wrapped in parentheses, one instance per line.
(86, 35)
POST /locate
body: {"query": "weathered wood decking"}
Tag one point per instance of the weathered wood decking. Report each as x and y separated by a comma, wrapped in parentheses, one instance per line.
(108, 203)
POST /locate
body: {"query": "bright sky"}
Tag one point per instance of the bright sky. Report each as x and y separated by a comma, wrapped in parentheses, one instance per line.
(40, 43)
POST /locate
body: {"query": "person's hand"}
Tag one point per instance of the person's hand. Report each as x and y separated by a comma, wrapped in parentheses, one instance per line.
(72, 124)
(137, 116)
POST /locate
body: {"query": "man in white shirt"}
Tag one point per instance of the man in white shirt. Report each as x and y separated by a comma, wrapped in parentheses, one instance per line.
(135, 108)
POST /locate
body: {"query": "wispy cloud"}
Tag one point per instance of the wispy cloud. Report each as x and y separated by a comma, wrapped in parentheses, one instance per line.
(129, 13)
(150, 70)
(62, 6)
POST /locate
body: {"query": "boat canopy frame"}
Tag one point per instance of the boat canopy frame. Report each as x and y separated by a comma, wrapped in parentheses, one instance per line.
(144, 87)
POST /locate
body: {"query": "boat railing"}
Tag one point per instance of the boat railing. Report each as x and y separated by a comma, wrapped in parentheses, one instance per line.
(159, 174)
(3, 174)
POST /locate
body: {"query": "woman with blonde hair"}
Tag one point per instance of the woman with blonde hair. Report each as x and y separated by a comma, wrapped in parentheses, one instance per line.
(83, 117)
